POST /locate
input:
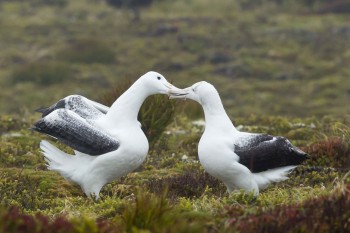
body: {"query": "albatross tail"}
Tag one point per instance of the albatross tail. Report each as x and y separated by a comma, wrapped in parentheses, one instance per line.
(263, 179)
(56, 159)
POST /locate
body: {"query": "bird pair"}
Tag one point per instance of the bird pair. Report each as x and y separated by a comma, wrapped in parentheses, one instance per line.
(108, 142)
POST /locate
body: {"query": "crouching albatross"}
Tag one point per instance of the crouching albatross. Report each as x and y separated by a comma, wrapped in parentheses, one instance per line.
(241, 160)
(107, 142)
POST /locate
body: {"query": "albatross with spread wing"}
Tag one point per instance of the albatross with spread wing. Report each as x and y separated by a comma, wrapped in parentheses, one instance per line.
(108, 142)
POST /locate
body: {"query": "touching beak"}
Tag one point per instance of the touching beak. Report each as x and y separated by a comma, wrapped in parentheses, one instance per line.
(177, 93)
(172, 90)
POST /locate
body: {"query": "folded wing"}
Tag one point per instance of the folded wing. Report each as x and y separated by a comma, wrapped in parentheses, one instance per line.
(262, 152)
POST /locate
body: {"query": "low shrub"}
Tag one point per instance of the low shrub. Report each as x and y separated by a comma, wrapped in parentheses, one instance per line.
(149, 212)
(133, 5)
(13, 221)
(154, 213)
(88, 51)
(155, 115)
(192, 183)
(43, 73)
(332, 152)
(59, 3)
(324, 214)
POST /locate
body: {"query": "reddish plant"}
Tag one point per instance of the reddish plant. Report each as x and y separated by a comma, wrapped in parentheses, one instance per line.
(191, 183)
(14, 221)
(332, 152)
(326, 214)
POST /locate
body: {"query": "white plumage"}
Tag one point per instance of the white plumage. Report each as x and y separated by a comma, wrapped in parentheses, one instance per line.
(108, 142)
(241, 160)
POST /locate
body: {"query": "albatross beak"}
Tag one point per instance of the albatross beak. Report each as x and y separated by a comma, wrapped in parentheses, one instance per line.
(174, 91)
(178, 93)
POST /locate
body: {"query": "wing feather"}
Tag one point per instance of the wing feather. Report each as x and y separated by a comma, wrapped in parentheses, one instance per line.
(84, 107)
(69, 128)
(262, 152)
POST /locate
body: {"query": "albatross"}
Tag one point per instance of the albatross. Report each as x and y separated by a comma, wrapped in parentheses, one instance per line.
(241, 160)
(107, 142)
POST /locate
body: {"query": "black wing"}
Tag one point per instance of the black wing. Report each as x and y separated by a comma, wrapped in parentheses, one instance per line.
(82, 106)
(46, 111)
(263, 152)
(70, 129)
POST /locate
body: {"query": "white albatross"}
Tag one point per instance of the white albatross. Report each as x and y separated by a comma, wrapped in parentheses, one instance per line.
(240, 160)
(108, 142)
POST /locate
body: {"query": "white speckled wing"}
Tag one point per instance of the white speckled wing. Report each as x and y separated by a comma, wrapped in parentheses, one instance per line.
(82, 106)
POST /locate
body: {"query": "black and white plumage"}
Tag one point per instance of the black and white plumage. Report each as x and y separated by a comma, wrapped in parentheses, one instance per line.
(71, 129)
(241, 160)
(108, 142)
(264, 152)
(77, 114)
(82, 106)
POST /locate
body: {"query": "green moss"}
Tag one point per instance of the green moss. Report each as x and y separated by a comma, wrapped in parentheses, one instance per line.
(10, 123)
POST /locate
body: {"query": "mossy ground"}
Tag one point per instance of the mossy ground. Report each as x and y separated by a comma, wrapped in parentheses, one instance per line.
(171, 187)
(280, 67)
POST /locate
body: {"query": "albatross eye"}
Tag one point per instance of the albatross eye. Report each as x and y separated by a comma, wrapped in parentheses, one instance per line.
(159, 78)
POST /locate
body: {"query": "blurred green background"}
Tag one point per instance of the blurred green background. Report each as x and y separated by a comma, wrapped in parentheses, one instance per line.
(266, 57)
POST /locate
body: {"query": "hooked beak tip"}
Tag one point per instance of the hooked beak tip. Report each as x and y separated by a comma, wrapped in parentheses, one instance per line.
(174, 92)
(178, 95)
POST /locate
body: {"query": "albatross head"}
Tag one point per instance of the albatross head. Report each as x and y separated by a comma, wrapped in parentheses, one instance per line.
(155, 83)
(201, 92)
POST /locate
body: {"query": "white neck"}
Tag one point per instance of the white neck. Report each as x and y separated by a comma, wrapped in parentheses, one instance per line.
(216, 117)
(126, 108)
